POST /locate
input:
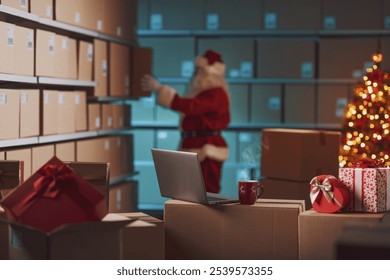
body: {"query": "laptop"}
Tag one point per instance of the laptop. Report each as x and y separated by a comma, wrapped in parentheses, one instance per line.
(180, 177)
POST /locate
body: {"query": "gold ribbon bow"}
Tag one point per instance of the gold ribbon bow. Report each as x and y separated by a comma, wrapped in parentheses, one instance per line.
(326, 188)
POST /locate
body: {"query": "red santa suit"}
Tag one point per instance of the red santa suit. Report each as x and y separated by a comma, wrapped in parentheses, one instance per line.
(205, 112)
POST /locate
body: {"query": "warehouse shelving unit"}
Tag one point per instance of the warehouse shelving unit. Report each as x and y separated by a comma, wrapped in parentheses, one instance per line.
(29, 20)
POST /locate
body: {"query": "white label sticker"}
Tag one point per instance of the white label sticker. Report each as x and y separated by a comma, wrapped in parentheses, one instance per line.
(118, 142)
(119, 31)
(46, 98)
(246, 69)
(61, 98)
(156, 21)
(10, 35)
(162, 135)
(23, 3)
(245, 137)
(234, 73)
(307, 70)
(97, 122)
(270, 20)
(106, 145)
(341, 102)
(49, 11)
(90, 52)
(51, 43)
(274, 103)
(109, 121)
(65, 43)
(212, 22)
(77, 99)
(99, 24)
(187, 68)
(329, 22)
(104, 68)
(77, 17)
(30, 40)
(24, 98)
(3, 98)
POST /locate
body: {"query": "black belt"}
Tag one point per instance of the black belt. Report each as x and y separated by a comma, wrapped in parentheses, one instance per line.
(190, 134)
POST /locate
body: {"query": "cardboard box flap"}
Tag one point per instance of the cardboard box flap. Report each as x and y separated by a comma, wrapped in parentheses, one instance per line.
(140, 223)
(11, 173)
(109, 222)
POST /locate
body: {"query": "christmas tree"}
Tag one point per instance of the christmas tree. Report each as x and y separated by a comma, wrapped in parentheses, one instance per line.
(366, 129)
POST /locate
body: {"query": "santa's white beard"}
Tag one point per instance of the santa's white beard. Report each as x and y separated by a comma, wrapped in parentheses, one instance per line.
(202, 81)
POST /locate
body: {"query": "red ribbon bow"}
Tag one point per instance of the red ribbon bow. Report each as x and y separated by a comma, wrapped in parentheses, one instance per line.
(368, 163)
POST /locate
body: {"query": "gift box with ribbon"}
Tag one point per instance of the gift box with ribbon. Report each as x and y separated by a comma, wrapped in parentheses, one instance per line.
(327, 195)
(369, 184)
(53, 196)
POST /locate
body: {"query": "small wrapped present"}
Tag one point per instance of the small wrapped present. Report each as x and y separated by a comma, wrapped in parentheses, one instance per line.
(53, 196)
(327, 195)
(368, 182)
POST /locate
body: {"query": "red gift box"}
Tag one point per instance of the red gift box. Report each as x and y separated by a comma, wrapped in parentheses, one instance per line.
(369, 188)
(53, 196)
(327, 195)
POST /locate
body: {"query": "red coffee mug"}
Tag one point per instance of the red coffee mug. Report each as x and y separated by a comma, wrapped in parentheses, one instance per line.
(249, 191)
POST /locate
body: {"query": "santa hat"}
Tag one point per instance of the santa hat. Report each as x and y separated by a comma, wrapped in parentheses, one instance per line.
(212, 62)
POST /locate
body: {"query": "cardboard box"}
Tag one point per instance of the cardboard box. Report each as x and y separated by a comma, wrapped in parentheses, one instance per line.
(120, 18)
(143, 239)
(81, 115)
(96, 173)
(66, 57)
(11, 173)
(70, 11)
(7, 44)
(93, 15)
(40, 155)
(141, 60)
(49, 112)
(239, 103)
(42, 8)
(309, 153)
(194, 231)
(99, 240)
(230, 15)
(350, 64)
(89, 150)
(335, 18)
(24, 51)
(237, 54)
(21, 155)
(318, 232)
(284, 189)
(29, 113)
(291, 15)
(266, 105)
(190, 14)
(363, 242)
(65, 151)
(4, 235)
(22, 5)
(66, 121)
(299, 107)
(9, 113)
(121, 116)
(100, 67)
(127, 154)
(85, 60)
(298, 56)
(119, 70)
(94, 116)
(107, 116)
(124, 197)
(172, 57)
(45, 53)
(332, 101)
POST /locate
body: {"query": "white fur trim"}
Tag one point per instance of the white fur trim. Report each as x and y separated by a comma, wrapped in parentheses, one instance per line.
(216, 68)
(165, 95)
(211, 151)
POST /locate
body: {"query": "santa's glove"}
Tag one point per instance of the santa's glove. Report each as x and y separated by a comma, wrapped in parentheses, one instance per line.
(149, 83)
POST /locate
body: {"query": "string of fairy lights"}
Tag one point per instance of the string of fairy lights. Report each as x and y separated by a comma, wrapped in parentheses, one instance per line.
(366, 128)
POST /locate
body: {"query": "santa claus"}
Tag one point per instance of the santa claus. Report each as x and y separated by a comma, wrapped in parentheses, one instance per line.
(205, 112)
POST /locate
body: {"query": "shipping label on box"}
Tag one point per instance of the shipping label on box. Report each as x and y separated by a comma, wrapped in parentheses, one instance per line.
(212, 21)
(369, 187)
(270, 20)
(156, 21)
(9, 114)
